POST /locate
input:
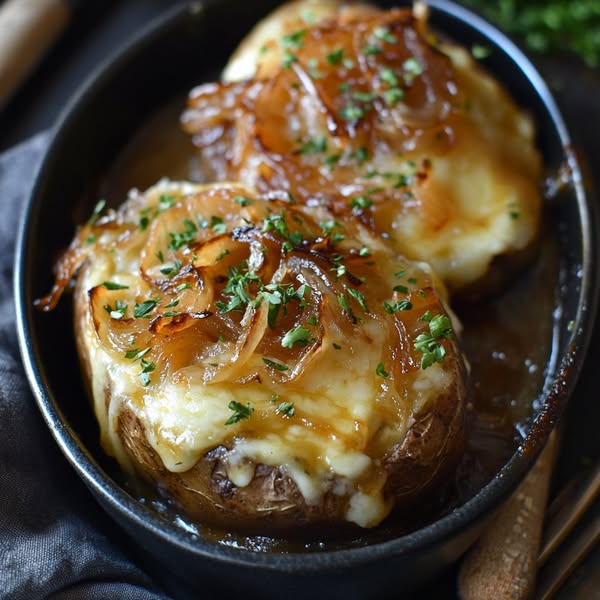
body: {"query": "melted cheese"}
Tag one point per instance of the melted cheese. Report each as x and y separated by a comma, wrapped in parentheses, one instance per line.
(346, 415)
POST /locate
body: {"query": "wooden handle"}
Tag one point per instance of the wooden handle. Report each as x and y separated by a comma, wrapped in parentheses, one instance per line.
(27, 28)
(503, 562)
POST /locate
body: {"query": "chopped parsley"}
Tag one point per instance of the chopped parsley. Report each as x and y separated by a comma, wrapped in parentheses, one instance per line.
(171, 271)
(393, 95)
(119, 310)
(148, 214)
(242, 200)
(144, 309)
(185, 237)
(400, 288)
(388, 76)
(218, 225)
(397, 306)
(238, 296)
(383, 34)
(360, 203)
(314, 146)
(335, 57)
(288, 59)
(286, 409)
(240, 412)
(222, 255)
(111, 285)
(296, 336)
(278, 296)
(343, 302)
(237, 288)
(275, 365)
(352, 112)
(147, 367)
(371, 49)
(100, 205)
(135, 354)
(328, 228)
(294, 40)
(277, 223)
(332, 159)
(381, 371)
(359, 297)
(364, 97)
(412, 68)
(428, 343)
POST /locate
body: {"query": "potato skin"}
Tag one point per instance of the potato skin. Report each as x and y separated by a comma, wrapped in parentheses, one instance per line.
(272, 502)
(431, 449)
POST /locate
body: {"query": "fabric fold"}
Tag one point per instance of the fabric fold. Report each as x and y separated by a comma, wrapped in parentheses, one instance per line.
(55, 542)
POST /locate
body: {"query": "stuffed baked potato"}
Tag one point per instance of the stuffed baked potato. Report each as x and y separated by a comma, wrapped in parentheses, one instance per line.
(333, 101)
(265, 365)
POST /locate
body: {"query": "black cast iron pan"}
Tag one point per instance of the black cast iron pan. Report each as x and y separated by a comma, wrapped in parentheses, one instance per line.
(185, 47)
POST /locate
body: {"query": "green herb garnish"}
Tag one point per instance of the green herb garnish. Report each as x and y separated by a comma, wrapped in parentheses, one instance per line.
(119, 310)
(429, 343)
(275, 365)
(314, 146)
(397, 306)
(335, 57)
(243, 200)
(111, 285)
(360, 203)
(147, 368)
(100, 205)
(239, 412)
(185, 237)
(296, 336)
(286, 409)
(383, 33)
(381, 371)
(145, 308)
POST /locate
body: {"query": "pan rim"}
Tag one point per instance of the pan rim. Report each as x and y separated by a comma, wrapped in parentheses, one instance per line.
(447, 526)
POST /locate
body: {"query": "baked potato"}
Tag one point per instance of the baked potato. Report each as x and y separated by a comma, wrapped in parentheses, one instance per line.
(263, 364)
(366, 112)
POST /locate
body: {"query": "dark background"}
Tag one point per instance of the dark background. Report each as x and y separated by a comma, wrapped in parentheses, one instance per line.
(97, 29)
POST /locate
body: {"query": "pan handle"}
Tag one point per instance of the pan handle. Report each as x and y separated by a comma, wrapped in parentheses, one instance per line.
(27, 30)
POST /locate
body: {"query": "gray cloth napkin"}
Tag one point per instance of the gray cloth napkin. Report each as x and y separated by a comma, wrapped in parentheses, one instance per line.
(55, 541)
